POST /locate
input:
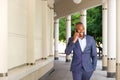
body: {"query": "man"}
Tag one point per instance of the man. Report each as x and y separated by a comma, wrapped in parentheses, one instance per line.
(84, 54)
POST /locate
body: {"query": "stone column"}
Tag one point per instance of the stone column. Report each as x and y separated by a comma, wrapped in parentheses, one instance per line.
(118, 41)
(49, 30)
(83, 19)
(45, 47)
(111, 61)
(56, 38)
(30, 32)
(51, 33)
(68, 34)
(104, 35)
(3, 38)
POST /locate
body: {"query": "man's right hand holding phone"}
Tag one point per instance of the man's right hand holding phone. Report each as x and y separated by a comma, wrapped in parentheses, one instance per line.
(76, 35)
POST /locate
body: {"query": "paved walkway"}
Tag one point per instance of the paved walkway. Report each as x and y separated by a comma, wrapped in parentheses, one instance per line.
(62, 72)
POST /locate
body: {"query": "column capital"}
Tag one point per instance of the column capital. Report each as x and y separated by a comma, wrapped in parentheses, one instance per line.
(50, 7)
(104, 4)
(83, 12)
(82, 15)
(104, 8)
(68, 19)
(56, 21)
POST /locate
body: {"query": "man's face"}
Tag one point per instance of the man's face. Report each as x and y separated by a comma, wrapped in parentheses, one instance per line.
(80, 29)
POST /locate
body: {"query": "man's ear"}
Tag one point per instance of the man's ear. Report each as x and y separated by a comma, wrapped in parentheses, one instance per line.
(84, 30)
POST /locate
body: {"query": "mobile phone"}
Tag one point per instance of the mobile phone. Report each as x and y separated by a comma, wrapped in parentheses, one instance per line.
(76, 30)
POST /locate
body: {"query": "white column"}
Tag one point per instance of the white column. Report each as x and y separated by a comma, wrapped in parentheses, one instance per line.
(56, 37)
(68, 34)
(30, 32)
(51, 33)
(49, 30)
(3, 37)
(104, 35)
(118, 41)
(111, 62)
(45, 34)
(83, 19)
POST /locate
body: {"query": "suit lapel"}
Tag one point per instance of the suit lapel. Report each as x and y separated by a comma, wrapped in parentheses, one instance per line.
(78, 46)
(87, 41)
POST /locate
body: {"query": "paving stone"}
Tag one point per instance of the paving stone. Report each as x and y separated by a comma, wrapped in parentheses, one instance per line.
(62, 71)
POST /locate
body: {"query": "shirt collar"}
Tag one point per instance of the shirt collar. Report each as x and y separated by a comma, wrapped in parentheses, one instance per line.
(83, 38)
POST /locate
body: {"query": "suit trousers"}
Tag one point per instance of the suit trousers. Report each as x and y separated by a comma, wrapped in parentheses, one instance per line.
(82, 75)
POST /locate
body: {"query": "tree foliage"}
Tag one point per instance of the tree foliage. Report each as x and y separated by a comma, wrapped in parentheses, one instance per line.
(62, 29)
(94, 24)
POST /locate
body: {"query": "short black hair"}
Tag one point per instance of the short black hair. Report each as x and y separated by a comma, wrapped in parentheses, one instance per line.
(79, 23)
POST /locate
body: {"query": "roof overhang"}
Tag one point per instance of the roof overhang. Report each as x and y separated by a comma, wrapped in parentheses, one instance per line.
(67, 7)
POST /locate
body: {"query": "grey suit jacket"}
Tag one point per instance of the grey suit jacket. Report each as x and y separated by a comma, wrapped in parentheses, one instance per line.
(86, 59)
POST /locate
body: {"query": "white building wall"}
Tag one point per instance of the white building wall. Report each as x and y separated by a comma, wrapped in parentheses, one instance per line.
(28, 33)
(17, 24)
(17, 32)
(38, 31)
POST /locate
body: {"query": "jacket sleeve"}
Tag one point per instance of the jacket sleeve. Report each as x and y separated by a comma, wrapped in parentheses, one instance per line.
(94, 54)
(69, 46)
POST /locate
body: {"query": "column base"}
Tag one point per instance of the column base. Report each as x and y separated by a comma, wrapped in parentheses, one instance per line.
(111, 67)
(3, 74)
(118, 71)
(56, 58)
(44, 58)
(30, 63)
(51, 55)
(111, 75)
(104, 68)
(68, 60)
(104, 62)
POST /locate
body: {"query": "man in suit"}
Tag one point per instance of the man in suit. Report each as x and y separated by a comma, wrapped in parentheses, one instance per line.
(84, 54)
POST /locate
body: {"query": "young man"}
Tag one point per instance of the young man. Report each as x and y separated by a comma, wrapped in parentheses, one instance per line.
(84, 54)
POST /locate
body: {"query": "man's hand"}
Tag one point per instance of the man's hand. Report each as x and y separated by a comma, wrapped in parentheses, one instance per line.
(76, 35)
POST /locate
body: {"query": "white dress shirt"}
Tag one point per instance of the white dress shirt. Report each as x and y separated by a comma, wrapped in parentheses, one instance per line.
(82, 43)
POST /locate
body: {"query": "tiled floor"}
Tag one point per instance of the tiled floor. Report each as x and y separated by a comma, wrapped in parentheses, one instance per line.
(62, 72)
